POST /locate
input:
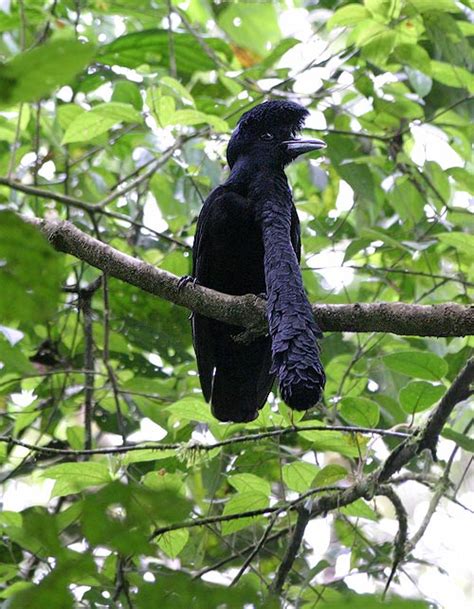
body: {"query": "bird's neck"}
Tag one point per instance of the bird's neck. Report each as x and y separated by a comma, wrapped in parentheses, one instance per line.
(247, 173)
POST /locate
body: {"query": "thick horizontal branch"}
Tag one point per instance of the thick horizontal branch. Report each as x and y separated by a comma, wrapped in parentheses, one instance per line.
(249, 311)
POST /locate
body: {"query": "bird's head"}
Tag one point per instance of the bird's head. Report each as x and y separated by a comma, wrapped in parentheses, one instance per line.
(270, 131)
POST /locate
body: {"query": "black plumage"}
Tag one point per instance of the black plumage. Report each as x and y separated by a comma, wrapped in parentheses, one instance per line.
(248, 241)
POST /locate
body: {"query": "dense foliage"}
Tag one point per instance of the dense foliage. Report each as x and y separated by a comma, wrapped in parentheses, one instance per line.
(115, 116)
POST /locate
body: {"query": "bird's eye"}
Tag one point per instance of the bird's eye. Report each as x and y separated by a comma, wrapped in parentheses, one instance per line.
(266, 136)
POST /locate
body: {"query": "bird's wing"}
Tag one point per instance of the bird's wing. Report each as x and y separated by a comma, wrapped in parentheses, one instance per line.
(203, 339)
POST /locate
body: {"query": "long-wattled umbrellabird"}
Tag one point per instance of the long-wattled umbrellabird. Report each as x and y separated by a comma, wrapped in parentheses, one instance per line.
(248, 241)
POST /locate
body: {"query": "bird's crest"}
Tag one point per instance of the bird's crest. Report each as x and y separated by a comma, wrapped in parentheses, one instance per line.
(282, 113)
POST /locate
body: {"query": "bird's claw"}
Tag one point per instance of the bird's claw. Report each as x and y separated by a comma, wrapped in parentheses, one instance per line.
(185, 280)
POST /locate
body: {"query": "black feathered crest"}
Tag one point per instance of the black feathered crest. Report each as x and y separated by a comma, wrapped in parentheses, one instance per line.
(281, 113)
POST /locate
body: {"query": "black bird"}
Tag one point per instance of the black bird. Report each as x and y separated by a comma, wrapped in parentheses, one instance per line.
(248, 241)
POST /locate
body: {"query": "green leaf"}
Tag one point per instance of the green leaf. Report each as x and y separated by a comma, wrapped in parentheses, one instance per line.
(7, 130)
(31, 276)
(126, 92)
(329, 475)
(152, 47)
(379, 234)
(407, 201)
(360, 411)
(100, 119)
(147, 454)
(426, 6)
(419, 395)
(166, 82)
(75, 477)
(359, 509)
(348, 445)
(348, 15)
(421, 83)
(75, 436)
(371, 601)
(251, 26)
(242, 502)
(15, 589)
(383, 9)
(13, 359)
(10, 519)
(415, 56)
(250, 482)
(173, 542)
(299, 475)
(379, 48)
(461, 439)
(452, 75)
(178, 590)
(33, 74)
(194, 117)
(67, 113)
(418, 364)
(162, 106)
(191, 409)
(460, 241)
(464, 178)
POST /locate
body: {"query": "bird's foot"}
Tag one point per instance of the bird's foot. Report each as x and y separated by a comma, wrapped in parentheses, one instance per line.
(185, 280)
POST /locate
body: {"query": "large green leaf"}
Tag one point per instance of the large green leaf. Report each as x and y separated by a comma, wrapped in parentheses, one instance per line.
(33, 74)
(461, 439)
(250, 482)
(422, 365)
(89, 125)
(299, 475)
(419, 395)
(464, 242)
(368, 601)
(152, 47)
(252, 26)
(31, 272)
(246, 501)
(75, 477)
(13, 359)
(348, 15)
(334, 441)
(452, 75)
(360, 411)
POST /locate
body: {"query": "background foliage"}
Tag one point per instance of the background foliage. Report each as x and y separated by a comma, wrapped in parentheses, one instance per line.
(123, 110)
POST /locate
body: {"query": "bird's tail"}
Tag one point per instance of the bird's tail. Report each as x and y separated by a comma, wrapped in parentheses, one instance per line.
(293, 330)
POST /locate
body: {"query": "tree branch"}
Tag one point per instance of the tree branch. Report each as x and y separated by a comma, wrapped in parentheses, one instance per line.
(304, 516)
(183, 446)
(457, 392)
(428, 435)
(248, 311)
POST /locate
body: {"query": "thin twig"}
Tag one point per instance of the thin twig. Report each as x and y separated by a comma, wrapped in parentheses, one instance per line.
(400, 543)
(105, 357)
(181, 446)
(85, 300)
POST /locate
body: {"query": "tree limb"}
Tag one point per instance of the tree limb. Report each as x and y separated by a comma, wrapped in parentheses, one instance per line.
(248, 311)
(304, 516)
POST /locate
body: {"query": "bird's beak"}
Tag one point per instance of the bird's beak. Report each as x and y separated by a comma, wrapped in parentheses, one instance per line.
(300, 146)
